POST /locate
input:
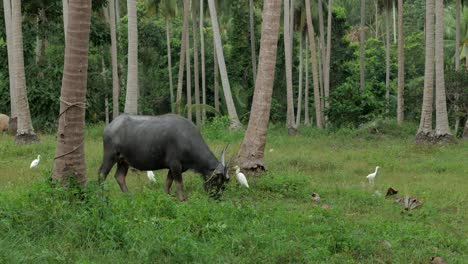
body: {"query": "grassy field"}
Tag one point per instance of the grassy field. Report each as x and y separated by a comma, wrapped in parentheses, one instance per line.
(274, 221)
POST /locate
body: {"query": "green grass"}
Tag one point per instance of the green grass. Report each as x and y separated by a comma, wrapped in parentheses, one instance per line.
(273, 221)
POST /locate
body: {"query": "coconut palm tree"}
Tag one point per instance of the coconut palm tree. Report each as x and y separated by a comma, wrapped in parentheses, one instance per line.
(401, 65)
(442, 131)
(457, 34)
(299, 95)
(235, 123)
(182, 57)
(252, 39)
(326, 68)
(11, 66)
(115, 72)
(196, 79)
(387, 51)
(310, 30)
(65, 16)
(251, 153)
(188, 73)
(131, 99)
(168, 9)
(202, 54)
(362, 43)
(306, 88)
(25, 132)
(69, 158)
(292, 129)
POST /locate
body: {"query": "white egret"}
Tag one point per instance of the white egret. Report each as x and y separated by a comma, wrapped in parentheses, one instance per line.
(241, 177)
(35, 162)
(150, 175)
(371, 176)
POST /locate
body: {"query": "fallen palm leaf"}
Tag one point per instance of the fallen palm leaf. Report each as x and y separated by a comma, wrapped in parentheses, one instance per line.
(409, 203)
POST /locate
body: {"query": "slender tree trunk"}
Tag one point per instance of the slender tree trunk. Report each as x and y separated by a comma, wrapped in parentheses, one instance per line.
(291, 31)
(321, 42)
(131, 100)
(299, 96)
(65, 17)
(115, 71)
(306, 89)
(202, 48)
(465, 130)
(117, 13)
(292, 129)
(106, 106)
(196, 77)
(235, 123)
(310, 29)
(169, 62)
(320, 75)
(326, 72)
(40, 40)
(394, 22)
(424, 134)
(182, 57)
(253, 50)
(442, 131)
(188, 77)
(25, 131)
(362, 45)
(457, 35)
(387, 51)
(69, 161)
(376, 20)
(216, 81)
(11, 66)
(401, 65)
(251, 153)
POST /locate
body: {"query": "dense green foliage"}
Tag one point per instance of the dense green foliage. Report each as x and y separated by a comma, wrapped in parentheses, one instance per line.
(273, 221)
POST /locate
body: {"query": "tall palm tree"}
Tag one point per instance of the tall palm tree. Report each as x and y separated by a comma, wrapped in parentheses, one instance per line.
(253, 50)
(115, 72)
(306, 88)
(202, 54)
(235, 123)
(401, 65)
(251, 153)
(216, 80)
(131, 100)
(11, 66)
(326, 69)
(188, 74)
(387, 51)
(442, 131)
(362, 43)
(457, 34)
(169, 9)
(321, 40)
(310, 30)
(424, 133)
(69, 158)
(182, 57)
(394, 22)
(25, 131)
(299, 95)
(292, 129)
(65, 16)
(195, 62)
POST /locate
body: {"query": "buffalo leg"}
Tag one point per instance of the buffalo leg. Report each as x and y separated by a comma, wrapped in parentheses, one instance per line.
(106, 166)
(169, 181)
(120, 174)
(176, 173)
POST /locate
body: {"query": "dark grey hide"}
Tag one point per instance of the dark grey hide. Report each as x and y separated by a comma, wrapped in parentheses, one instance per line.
(161, 142)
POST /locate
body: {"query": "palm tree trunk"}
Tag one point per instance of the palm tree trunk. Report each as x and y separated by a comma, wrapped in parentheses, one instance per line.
(387, 52)
(169, 62)
(322, 41)
(235, 123)
(376, 19)
(326, 69)
(69, 158)
(251, 153)
(65, 17)
(253, 50)
(465, 130)
(182, 58)
(188, 77)
(306, 89)
(394, 22)
(292, 129)
(362, 45)
(310, 29)
(299, 96)
(202, 49)
(424, 134)
(457, 35)
(442, 131)
(115, 71)
(25, 131)
(401, 65)
(320, 75)
(216, 80)
(196, 77)
(11, 66)
(131, 100)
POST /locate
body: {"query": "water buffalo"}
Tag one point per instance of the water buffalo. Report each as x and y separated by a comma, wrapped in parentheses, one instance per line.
(161, 142)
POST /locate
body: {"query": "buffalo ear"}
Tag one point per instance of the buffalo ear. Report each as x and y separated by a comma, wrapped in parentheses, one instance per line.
(223, 154)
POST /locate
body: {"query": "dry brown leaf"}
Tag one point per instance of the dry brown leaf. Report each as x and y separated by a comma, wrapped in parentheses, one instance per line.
(391, 192)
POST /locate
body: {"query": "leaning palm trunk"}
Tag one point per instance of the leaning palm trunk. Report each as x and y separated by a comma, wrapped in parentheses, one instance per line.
(401, 65)
(310, 29)
(182, 58)
(457, 35)
(424, 134)
(69, 161)
(115, 72)
(387, 52)
(442, 131)
(299, 95)
(362, 43)
(306, 88)
(11, 66)
(251, 153)
(235, 123)
(131, 99)
(189, 75)
(169, 62)
(25, 131)
(202, 50)
(292, 129)
(195, 66)
(252, 40)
